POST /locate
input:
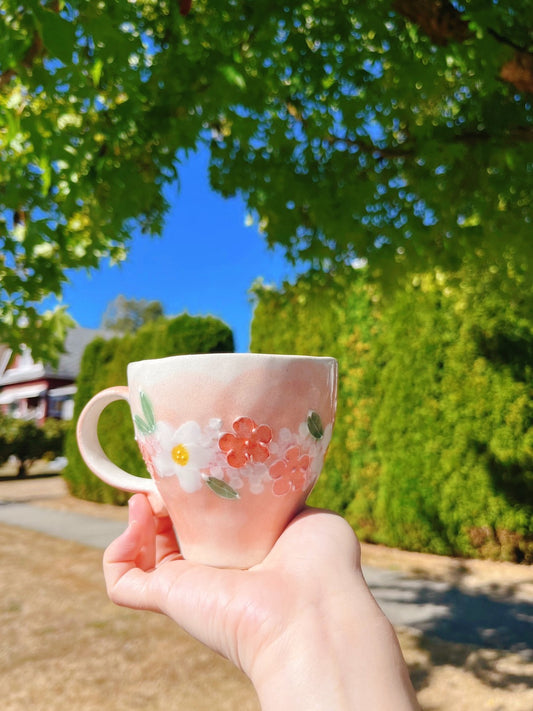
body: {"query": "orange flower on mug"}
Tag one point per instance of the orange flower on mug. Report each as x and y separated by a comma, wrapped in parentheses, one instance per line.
(247, 445)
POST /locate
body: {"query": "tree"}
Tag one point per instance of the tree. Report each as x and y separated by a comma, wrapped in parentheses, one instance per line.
(400, 131)
(127, 315)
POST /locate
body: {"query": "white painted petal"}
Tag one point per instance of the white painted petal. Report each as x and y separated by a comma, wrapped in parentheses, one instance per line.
(199, 457)
(164, 434)
(190, 478)
(215, 424)
(164, 464)
(188, 432)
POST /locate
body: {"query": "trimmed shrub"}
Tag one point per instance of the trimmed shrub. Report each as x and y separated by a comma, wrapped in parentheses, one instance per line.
(433, 446)
(104, 364)
(26, 441)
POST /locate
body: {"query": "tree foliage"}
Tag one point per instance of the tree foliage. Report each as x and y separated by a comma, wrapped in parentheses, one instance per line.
(394, 130)
(128, 315)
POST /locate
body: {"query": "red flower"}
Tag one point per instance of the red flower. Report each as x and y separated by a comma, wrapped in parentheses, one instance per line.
(290, 474)
(248, 444)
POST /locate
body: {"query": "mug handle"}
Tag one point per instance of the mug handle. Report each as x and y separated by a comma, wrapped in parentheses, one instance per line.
(91, 449)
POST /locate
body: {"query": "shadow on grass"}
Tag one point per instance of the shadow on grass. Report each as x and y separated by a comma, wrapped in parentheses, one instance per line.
(487, 636)
(495, 669)
(444, 610)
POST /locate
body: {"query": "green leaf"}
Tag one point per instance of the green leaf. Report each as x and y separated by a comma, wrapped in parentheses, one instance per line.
(314, 425)
(142, 426)
(148, 411)
(13, 125)
(96, 72)
(58, 34)
(46, 179)
(233, 76)
(221, 488)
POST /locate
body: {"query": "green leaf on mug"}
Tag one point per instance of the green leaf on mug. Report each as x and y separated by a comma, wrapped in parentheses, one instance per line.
(148, 425)
(314, 425)
(147, 411)
(141, 425)
(221, 488)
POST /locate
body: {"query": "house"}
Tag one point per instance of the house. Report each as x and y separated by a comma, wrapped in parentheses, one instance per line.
(34, 391)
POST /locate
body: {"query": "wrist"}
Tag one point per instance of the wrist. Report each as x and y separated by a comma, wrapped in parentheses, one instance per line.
(340, 653)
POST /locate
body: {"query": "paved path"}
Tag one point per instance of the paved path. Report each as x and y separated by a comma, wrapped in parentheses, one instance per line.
(88, 530)
(435, 608)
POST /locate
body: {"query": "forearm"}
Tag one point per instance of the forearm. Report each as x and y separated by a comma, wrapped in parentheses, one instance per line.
(341, 655)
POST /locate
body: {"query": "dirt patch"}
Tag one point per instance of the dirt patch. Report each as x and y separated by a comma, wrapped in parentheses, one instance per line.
(65, 646)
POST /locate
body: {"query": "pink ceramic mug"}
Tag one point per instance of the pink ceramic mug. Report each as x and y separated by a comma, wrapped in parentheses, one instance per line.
(234, 443)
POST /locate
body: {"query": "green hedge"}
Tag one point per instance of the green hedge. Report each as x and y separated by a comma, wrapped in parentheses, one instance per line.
(27, 441)
(433, 447)
(103, 365)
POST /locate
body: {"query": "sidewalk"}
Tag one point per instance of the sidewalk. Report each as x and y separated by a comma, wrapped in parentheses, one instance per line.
(43, 504)
(88, 530)
(437, 607)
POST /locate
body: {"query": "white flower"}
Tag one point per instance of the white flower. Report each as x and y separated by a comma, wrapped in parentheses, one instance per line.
(184, 453)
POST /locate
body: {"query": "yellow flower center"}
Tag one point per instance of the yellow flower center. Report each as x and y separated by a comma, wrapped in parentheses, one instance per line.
(180, 454)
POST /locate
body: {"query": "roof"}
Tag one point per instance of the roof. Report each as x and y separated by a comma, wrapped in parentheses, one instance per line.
(75, 343)
(68, 367)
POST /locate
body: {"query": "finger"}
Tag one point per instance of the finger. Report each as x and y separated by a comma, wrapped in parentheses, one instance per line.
(141, 516)
(166, 544)
(158, 507)
(128, 558)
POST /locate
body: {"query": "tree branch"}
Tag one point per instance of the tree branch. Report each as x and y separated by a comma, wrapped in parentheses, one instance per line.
(518, 71)
(443, 24)
(505, 40)
(439, 19)
(185, 7)
(518, 134)
(370, 148)
(36, 49)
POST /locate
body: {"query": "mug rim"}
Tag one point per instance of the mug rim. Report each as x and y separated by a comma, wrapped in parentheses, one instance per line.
(232, 355)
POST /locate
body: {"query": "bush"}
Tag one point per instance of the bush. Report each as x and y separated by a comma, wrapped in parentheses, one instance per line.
(103, 365)
(26, 441)
(433, 446)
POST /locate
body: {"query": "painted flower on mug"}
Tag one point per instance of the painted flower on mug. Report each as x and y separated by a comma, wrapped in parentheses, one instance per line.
(290, 473)
(183, 453)
(248, 443)
(226, 462)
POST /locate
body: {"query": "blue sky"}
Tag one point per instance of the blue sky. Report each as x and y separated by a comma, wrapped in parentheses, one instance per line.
(204, 263)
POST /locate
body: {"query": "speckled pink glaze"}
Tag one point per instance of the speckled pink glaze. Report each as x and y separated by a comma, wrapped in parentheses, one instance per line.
(234, 444)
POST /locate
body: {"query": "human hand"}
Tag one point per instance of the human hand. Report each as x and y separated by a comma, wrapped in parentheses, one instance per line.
(301, 624)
